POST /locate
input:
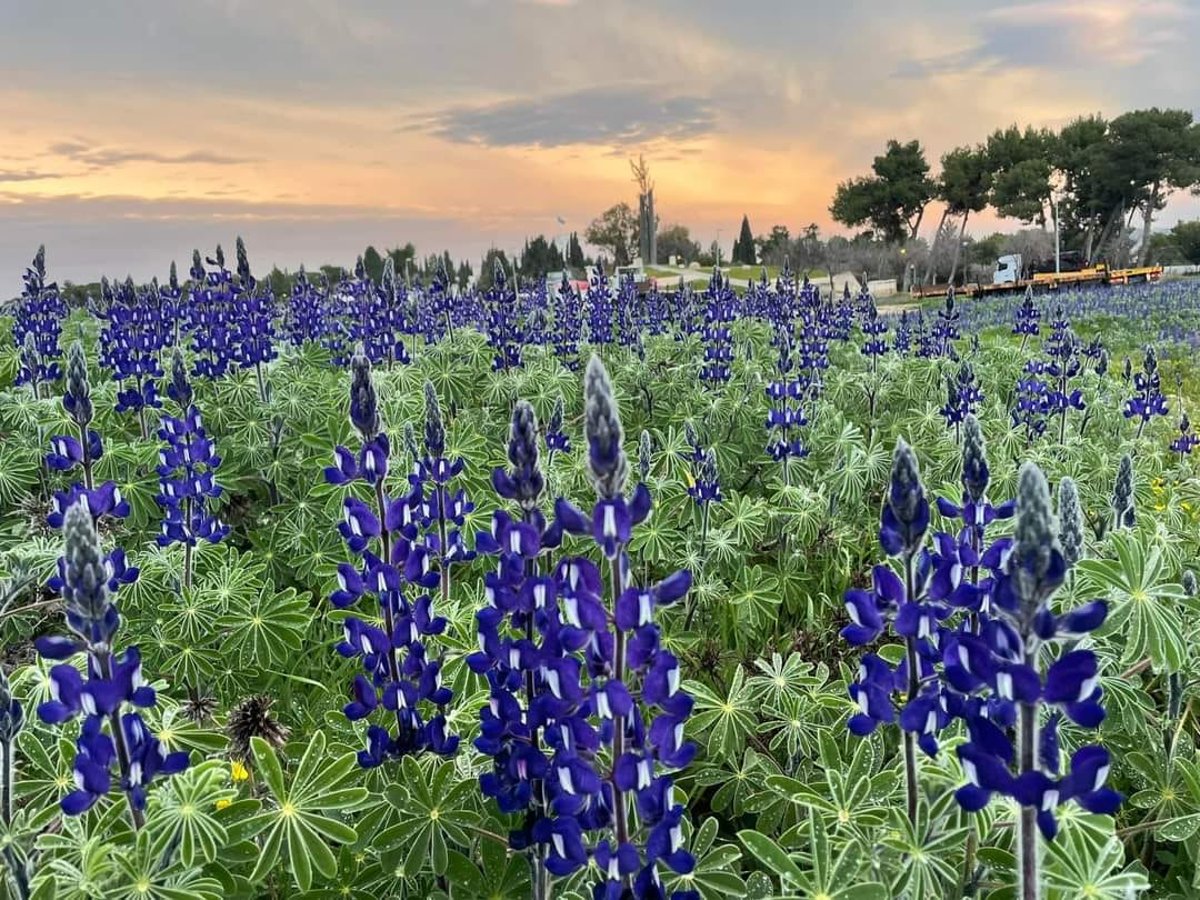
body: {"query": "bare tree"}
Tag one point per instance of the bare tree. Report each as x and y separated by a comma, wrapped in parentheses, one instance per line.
(647, 220)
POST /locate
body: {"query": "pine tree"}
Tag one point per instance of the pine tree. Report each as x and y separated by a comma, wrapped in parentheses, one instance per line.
(743, 248)
(575, 257)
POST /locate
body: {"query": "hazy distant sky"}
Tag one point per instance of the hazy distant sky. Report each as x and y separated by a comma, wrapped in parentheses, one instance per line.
(133, 130)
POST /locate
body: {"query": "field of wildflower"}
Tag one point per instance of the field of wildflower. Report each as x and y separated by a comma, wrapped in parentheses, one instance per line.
(385, 590)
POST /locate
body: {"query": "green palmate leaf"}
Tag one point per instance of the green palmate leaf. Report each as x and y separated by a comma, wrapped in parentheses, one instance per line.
(269, 628)
(715, 874)
(1077, 867)
(435, 812)
(142, 873)
(18, 473)
(768, 852)
(1146, 603)
(728, 720)
(297, 823)
(185, 813)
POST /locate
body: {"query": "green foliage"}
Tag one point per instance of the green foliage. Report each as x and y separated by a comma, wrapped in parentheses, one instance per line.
(783, 802)
(892, 200)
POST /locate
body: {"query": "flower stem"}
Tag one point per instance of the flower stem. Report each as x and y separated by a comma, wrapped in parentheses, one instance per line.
(620, 812)
(6, 787)
(188, 547)
(914, 687)
(103, 659)
(262, 384)
(1027, 733)
(541, 876)
(389, 621)
(691, 613)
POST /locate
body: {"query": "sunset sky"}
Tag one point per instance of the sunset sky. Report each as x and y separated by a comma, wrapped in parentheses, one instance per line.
(134, 130)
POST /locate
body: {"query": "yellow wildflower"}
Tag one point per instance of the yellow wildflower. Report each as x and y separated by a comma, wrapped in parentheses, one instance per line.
(224, 803)
(238, 772)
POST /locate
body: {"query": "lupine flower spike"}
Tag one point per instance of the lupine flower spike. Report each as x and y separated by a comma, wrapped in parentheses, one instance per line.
(187, 467)
(629, 807)
(399, 678)
(111, 689)
(1004, 661)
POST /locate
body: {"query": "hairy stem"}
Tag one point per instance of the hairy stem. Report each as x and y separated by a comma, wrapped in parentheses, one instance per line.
(620, 810)
(1027, 733)
(103, 661)
(389, 619)
(914, 687)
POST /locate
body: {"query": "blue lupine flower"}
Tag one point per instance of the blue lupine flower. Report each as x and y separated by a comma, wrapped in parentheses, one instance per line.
(568, 323)
(786, 414)
(252, 328)
(964, 396)
(130, 341)
(1028, 318)
(706, 487)
(1148, 400)
(307, 315)
(1003, 662)
(1187, 441)
(398, 673)
(556, 439)
(112, 682)
(600, 307)
(716, 333)
(945, 331)
(187, 467)
(915, 615)
(37, 325)
(873, 328)
(439, 510)
(69, 451)
(210, 318)
(630, 678)
(503, 326)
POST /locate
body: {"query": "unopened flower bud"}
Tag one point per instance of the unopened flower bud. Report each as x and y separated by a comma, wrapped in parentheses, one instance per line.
(435, 431)
(975, 475)
(364, 403)
(1070, 521)
(79, 391)
(602, 426)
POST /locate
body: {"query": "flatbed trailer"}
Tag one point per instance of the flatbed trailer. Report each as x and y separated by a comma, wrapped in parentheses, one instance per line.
(1050, 281)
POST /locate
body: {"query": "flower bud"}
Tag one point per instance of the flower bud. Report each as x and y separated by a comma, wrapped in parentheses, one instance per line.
(1070, 522)
(364, 403)
(527, 480)
(906, 491)
(85, 579)
(1036, 541)
(435, 431)
(1122, 497)
(602, 426)
(975, 474)
(645, 450)
(79, 391)
(180, 389)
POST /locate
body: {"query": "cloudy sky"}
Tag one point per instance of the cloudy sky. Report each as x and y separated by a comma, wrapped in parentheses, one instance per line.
(137, 129)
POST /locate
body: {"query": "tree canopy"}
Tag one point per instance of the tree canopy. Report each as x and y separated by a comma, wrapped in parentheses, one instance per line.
(892, 200)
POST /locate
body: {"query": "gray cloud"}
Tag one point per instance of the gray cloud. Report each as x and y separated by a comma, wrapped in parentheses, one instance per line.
(617, 115)
(12, 175)
(106, 157)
